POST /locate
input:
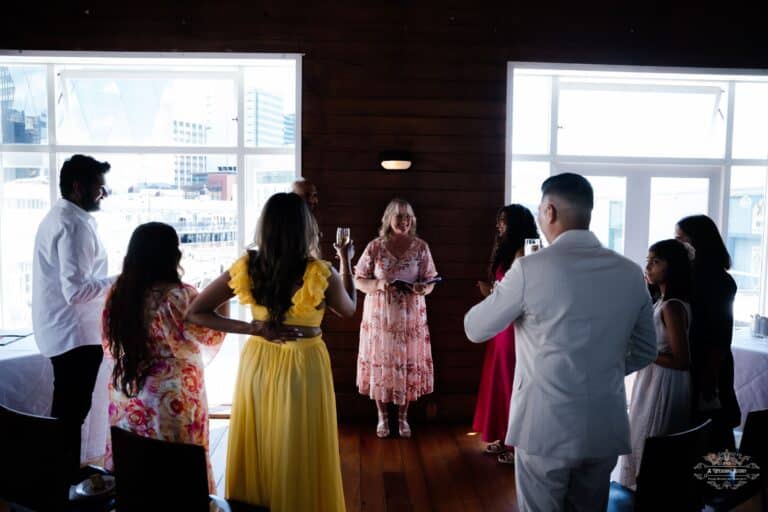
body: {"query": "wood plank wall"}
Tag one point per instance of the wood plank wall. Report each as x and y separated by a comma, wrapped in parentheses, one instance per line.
(423, 75)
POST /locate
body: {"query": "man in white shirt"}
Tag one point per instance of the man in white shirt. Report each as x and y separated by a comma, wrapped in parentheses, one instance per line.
(583, 319)
(69, 280)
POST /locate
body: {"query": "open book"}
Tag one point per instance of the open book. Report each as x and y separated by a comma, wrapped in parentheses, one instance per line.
(405, 284)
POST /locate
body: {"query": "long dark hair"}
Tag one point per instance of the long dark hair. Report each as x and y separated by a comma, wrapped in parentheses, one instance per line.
(679, 270)
(705, 238)
(520, 225)
(286, 238)
(153, 258)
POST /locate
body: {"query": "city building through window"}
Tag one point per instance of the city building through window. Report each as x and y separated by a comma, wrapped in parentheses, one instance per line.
(196, 141)
(657, 144)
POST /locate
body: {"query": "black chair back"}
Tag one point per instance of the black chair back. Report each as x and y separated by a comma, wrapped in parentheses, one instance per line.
(666, 478)
(34, 468)
(158, 475)
(754, 441)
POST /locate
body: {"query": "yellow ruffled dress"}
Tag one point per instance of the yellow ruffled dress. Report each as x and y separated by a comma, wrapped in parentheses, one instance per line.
(283, 448)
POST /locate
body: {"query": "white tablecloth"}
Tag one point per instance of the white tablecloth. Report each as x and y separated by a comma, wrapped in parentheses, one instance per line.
(750, 357)
(26, 384)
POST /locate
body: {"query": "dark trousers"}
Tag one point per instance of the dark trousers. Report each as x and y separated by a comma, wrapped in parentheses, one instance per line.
(74, 377)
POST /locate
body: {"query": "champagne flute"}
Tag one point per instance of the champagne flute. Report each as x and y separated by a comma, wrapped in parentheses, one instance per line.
(531, 246)
(342, 236)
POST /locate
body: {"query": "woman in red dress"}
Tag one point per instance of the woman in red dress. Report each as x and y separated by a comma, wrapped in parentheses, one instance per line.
(514, 223)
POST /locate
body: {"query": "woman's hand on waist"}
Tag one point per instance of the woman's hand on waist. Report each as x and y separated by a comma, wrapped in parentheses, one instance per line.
(280, 333)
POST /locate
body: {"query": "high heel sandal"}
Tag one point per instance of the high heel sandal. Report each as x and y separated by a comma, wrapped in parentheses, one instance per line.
(403, 428)
(382, 428)
(495, 448)
(507, 457)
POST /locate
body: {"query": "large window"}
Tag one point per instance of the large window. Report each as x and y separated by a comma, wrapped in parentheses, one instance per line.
(198, 142)
(657, 145)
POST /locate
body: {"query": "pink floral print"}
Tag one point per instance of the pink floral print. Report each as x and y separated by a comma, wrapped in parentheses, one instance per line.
(172, 405)
(394, 362)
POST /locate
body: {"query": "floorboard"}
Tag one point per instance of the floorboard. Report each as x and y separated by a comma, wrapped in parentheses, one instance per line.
(442, 468)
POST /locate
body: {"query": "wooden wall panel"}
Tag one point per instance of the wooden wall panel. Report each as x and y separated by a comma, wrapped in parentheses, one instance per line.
(428, 76)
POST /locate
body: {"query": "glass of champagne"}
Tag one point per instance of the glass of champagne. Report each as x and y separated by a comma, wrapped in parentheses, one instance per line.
(342, 236)
(532, 245)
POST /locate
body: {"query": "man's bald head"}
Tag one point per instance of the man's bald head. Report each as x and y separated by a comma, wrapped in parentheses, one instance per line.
(308, 191)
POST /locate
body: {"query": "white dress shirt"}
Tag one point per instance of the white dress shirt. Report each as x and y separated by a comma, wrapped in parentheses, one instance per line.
(69, 280)
(583, 319)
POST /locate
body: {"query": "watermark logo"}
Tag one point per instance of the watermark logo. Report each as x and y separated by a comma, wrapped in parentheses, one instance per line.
(726, 470)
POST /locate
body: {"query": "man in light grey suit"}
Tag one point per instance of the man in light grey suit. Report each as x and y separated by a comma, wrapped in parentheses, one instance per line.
(583, 320)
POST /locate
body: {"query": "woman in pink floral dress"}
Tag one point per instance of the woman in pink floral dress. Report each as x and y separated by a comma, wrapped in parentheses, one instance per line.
(394, 363)
(157, 387)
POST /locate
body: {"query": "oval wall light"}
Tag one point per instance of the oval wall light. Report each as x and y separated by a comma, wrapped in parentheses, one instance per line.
(395, 160)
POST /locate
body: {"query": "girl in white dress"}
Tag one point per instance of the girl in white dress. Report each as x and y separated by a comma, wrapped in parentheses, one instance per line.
(660, 403)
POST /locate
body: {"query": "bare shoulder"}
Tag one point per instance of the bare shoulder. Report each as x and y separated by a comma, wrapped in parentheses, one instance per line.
(177, 291)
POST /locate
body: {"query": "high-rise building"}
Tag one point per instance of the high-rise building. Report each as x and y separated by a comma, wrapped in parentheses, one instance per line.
(7, 88)
(185, 167)
(289, 129)
(17, 127)
(263, 119)
(222, 185)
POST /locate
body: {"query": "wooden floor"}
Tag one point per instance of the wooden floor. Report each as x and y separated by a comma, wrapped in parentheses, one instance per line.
(441, 469)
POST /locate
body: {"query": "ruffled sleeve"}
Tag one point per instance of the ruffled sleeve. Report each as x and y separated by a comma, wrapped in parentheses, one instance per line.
(240, 281)
(312, 292)
(365, 265)
(193, 337)
(427, 268)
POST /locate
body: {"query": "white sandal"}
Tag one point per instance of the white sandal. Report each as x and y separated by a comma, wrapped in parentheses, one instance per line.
(403, 428)
(382, 428)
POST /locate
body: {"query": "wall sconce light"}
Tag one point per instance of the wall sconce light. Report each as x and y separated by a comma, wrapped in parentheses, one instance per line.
(395, 160)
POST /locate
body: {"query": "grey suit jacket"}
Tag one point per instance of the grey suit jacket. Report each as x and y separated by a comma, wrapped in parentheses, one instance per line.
(583, 320)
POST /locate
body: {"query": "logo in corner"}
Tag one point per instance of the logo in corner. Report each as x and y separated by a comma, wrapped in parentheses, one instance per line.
(726, 470)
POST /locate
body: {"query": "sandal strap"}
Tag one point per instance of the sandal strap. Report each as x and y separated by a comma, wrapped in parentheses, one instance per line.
(507, 457)
(495, 448)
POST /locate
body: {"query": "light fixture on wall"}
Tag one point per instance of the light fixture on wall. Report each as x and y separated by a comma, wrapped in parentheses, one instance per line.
(395, 160)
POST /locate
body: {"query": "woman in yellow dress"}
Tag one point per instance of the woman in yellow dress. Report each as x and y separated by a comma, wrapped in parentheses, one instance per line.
(283, 448)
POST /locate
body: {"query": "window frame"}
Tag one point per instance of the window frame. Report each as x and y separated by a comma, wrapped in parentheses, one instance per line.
(717, 169)
(233, 67)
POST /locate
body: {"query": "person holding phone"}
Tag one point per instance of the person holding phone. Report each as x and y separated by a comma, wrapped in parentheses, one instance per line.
(394, 363)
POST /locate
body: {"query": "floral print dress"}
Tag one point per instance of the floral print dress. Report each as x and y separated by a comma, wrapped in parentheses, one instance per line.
(172, 405)
(394, 363)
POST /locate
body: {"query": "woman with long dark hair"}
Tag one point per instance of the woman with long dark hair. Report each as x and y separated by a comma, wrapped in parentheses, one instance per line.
(514, 223)
(661, 394)
(157, 387)
(714, 291)
(283, 441)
